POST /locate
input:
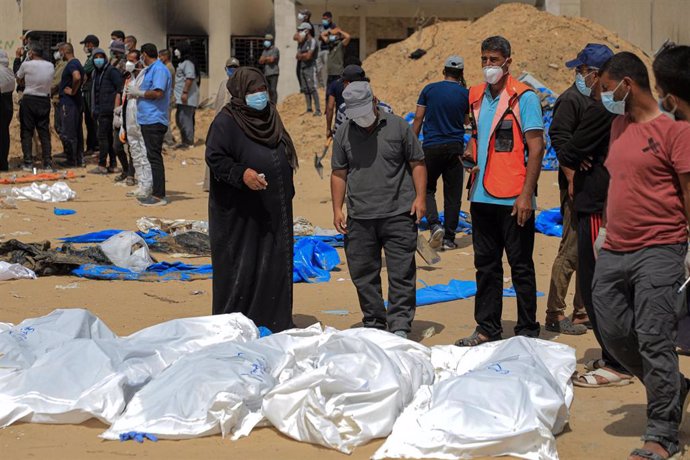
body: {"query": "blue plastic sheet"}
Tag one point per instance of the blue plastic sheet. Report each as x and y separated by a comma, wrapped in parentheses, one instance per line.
(151, 237)
(162, 271)
(336, 241)
(63, 212)
(550, 222)
(313, 260)
(463, 225)
(454, 290)
(137, 436)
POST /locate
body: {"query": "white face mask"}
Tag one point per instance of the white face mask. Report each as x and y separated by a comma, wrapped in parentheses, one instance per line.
(130, 66)
(366, 120)
(178, 54)
(57, 56)
(301, 17)
(303, 34)
(493, 73)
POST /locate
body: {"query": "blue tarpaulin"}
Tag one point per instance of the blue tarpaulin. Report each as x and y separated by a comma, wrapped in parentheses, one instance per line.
(463, 225)
(98, 237)
(336, 241)
(313, 260)
(550, 222)
(63, 212)
(162, 271)
(454, 290)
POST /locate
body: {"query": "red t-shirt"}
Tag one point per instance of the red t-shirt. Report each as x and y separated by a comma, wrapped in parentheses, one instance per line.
(645, 202)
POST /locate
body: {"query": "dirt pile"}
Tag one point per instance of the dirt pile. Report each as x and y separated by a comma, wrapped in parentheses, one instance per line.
(541, 44)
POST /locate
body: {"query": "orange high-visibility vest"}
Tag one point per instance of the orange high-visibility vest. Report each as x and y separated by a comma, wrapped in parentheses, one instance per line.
(505, 170)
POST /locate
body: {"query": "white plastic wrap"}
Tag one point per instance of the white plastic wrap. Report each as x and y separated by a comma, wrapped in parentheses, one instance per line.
(68, 374)
(10, 271)
(351, 390)
(218, 389)
(170, 226)
(503, 398)
(55, 193)
(127, 250)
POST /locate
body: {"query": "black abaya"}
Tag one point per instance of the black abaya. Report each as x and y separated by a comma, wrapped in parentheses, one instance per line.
(250, 231)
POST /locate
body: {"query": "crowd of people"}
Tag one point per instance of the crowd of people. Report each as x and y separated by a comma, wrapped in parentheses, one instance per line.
(624, 189)
(122, 97)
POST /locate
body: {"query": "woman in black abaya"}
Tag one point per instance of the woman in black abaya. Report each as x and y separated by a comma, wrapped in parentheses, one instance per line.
(252, 159)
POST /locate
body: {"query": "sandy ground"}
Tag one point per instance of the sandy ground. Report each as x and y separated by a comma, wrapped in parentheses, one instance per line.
(606, 423)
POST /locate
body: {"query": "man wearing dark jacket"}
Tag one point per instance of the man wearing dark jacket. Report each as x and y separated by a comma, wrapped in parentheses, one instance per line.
(105, 94)
(585, 153)
(567, 115)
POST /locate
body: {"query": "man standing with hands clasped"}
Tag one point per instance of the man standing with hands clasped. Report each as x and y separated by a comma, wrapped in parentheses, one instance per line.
(507, 147)
(379, 164)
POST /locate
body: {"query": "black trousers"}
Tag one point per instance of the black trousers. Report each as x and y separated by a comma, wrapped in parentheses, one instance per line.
(444, 161)
(397, 236)
(91, 124)
(71, 134)
(153, 139)
(494, 231)
(121, 154)
(6, 113)
(34, 114)
(273, 88)
(587, 231)
(106, 149)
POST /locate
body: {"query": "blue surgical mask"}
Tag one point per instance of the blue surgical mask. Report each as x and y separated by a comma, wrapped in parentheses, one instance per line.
(325, 22)
(267, 43)
(581, 84)
(99, 62)
(230, 71)
(257, 101)
(332, 38)
(613, 106)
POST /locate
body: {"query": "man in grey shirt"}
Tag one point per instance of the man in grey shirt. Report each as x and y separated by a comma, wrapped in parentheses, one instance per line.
(379, 162)
(186, 94)
(269, 59)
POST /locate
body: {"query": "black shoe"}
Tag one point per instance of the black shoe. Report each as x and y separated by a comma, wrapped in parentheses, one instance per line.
(449, 245)
(67, 164)
(436, 239)
(48, 167)
(565, 326)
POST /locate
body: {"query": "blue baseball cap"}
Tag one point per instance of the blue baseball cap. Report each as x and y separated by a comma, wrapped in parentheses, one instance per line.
(593, 55)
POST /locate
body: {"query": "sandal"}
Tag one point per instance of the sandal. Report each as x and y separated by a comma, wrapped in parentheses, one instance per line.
(594, 364)
(474, 340)
(565, 326)
(589, 379)
(121, 177)
(582, 318)
(649, 455)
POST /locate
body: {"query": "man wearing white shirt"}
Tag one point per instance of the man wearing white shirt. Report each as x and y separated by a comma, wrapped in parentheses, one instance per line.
(36, 74)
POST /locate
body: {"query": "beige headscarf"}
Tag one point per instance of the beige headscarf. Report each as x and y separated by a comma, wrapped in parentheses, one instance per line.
(6, 74)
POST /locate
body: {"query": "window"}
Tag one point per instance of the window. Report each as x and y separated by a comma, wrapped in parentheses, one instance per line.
(199, 45)
(48, 39)
(247, 49)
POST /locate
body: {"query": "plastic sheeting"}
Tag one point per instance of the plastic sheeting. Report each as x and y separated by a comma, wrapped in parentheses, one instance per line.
(550, 222)
(161, 271)
(313, 260)
(454, 290)
(57, 192)
(463, 225)
(98, 237)
(63, 212)
(10, 271)
(201, 376)
(68, 367)
(127, 250)
(503, 398)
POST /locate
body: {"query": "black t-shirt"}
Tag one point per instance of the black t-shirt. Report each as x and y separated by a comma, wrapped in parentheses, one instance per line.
(335, 89)
(66, 81)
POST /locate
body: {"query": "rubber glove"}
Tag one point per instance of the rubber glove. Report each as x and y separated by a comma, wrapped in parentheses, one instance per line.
(687, 264)
(599, 242)
(117, 111)
(133, 91)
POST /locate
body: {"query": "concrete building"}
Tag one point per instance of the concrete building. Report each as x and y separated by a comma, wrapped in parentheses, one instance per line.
(221, 28)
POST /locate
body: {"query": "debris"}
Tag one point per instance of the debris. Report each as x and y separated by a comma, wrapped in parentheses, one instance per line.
(67, 286)
(162, 299)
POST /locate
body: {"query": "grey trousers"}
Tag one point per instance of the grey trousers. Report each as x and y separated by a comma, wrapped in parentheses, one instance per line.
(273, 87)
(638, 308)
(184, 119)
(397, 236)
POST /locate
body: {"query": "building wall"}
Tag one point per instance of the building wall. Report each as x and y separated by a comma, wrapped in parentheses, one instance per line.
(10, 26)
(34, 15)
(252, 17)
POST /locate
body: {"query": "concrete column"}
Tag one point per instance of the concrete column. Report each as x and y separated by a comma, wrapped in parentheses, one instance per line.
(285, 16)
(219, 31)
(362, 35)
(563, 7)
(10, 27)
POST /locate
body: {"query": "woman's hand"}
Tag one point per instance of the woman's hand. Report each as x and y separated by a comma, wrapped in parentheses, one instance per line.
(254, 180)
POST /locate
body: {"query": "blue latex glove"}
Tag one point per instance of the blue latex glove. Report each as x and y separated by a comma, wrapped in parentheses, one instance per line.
(137, 436)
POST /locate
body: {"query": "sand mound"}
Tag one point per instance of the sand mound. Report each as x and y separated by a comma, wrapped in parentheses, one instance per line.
(541, 44)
